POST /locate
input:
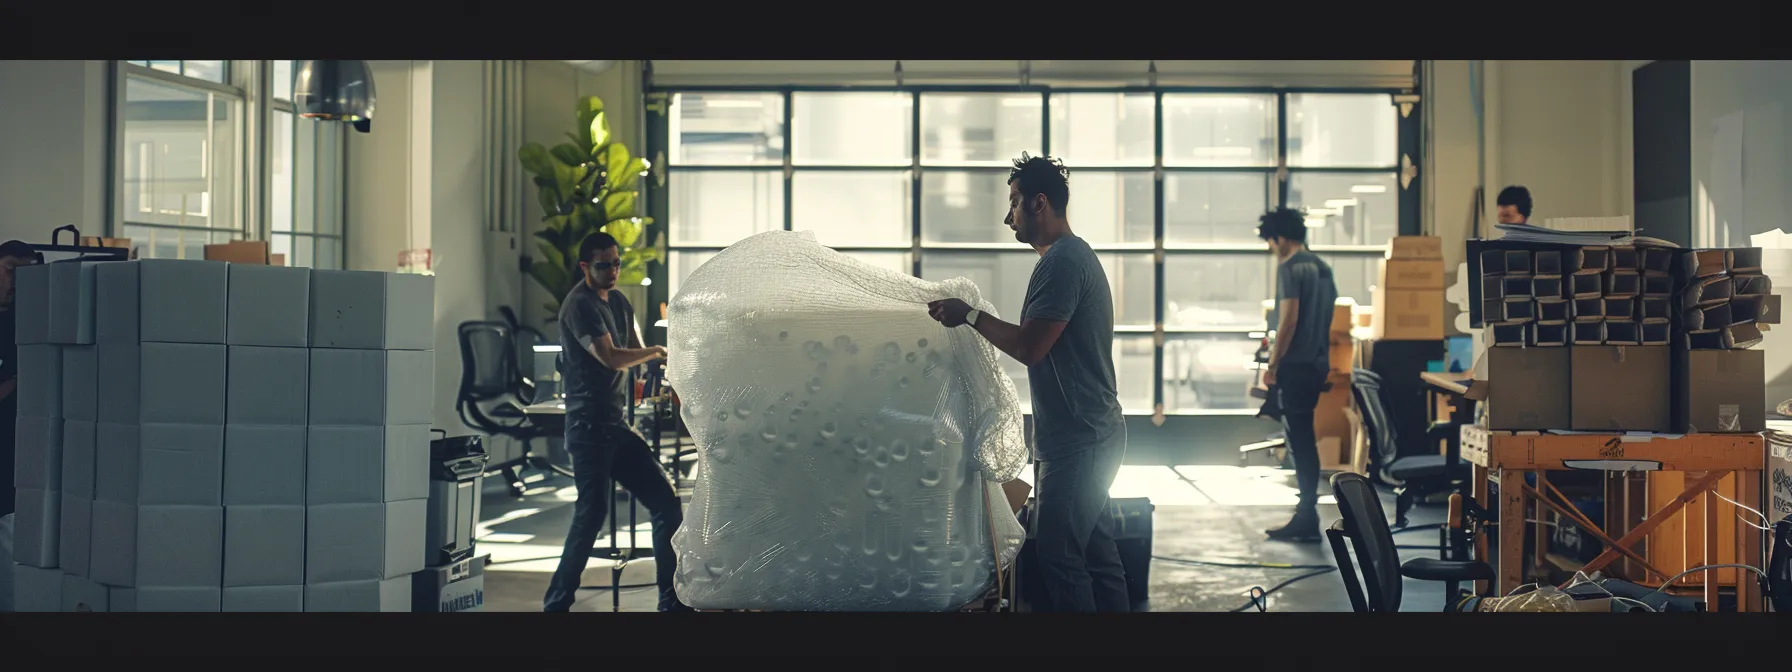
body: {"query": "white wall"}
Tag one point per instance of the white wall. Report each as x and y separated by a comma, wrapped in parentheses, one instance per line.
(54, 148)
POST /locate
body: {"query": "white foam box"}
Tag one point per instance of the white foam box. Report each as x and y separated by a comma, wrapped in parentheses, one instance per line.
(160, 464)
(40, 380)
(269, 305)
(72, 301)
(363, 542)
(37, 457)
(361, 596)
(37, 527)
(75, 556)
(370, 310)
(158, 546)
(264, 465)
(84, 594)
(31, 306)
(79, 441)
(266, 386)
(366, 465)
(162, 301)
(372, 387)
(264, 546)
(264, 599)
(176, 383)
(36, 589)
(81, 382)
(164, 600)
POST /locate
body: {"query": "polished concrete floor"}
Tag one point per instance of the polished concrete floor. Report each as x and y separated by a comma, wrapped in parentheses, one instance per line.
(1207, 513)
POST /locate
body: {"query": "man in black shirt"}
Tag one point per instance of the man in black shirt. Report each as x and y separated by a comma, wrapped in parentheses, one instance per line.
(1514, 205)
(1300, 360)
(600, 345)
(13, 254)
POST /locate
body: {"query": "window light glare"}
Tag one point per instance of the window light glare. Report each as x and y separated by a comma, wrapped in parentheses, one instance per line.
(1368, 189)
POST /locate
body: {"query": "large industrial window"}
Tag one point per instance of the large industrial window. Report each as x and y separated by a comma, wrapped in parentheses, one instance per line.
(1166, 184)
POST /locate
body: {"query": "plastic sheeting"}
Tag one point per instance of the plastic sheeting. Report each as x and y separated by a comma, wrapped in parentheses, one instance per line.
(849, 446)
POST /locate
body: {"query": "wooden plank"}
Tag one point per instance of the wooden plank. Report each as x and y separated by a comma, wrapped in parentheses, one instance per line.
(1511, 563)
(1540, 529)
(1480, 490)
(1694, 452)
(1749, 540)
(1667, 512)
(1710, 553)
(1667, 543)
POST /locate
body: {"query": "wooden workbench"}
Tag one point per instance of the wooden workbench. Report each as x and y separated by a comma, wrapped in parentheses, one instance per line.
(1705, 459)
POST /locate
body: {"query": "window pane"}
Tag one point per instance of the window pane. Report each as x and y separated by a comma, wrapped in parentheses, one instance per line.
(1215, 290)
(182, 161)
(1209, 372)
(1110, 208)
(303, 248)
(721, 207)
(192, 245)
(1133, 280)
(140, 241)
(980, 128)
(282, 83)
(1207, 208)
(679, 266)
(1001, 276)
(305, 170)
(1354, 275)
(853, 129)
(965, 207)
(1347, 209)
(1104, 129)
(1219, 129)
(900, 262)
(281, 243)
(328, 177)
(280, 168)
(727, 129)
(1134, 357)
(1330, 130)
(165, 66)
(211, 71)
(846, 208)
(329, 253)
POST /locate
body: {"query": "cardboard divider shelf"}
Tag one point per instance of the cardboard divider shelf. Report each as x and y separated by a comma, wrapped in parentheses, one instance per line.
(1510, 335)
(1743, 260)
(1624, 284)
(1658, 284)
(1625, 259)
(1650, 308)
(1546, 287)
(1751, 285)
(1518, 262)
(1593, 259)
(1708, 317)
(1746, 308)
(1493, 287)
(1547, 262)
(1589, 309)
(1549, 335)
(1588, 333)
(1707, 291)
(1658, 260)
(1519, 310)
(1656, 333)
(1705, 263)
(1552, 312)
(1620, 310)
(1516, 286)
(1586, 286)
(1623, 333)
(1709, 339)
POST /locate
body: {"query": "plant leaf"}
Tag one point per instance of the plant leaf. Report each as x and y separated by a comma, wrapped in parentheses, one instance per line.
(627, 177)
(570, 155)
(550, 203)
(552, 278)
(535, 159)
(589, 108)
(619, 205)
(625, 231)
(552, 253)
(564, 180)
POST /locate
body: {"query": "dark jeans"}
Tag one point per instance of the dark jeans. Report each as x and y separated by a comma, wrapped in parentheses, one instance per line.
(1298, 388)
(1073, 533)
(601, 453)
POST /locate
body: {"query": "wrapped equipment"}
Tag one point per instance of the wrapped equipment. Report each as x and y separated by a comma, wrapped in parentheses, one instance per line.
(850, 448)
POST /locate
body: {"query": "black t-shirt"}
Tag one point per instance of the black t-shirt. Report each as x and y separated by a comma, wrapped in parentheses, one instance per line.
(595, 393)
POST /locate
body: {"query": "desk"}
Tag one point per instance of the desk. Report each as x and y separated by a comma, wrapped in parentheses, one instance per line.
(1447, 392)
(1706, 459)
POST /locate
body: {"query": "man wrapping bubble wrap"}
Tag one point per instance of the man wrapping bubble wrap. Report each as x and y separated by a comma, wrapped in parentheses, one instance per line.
(1065, 337)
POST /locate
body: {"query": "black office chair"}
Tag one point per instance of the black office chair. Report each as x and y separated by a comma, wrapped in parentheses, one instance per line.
(1777, 586)
(1364, 524)
(1413, 476)
(526, 338)
(492, 395)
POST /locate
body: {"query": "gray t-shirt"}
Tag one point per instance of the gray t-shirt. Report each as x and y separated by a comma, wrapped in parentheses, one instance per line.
(595, 393)
(1075, 405)
(1307, 278)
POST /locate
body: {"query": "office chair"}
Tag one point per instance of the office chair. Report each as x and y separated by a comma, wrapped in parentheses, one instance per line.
(492, 395)
(1364, 525)
(1778, 584)
(1413, 476)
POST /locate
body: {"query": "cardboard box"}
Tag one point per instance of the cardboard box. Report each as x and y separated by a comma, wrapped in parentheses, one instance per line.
(359, 596)
(31, 308)
(1411, 274)
(457, 587)
(37, 527)
(163, 383)
(75, 556)
(79, 454)
(39, 388)
(1408, 315)
(363, 542)
(1641, 372)
(207, 599)
(1342, 355)
(158, 546)
(264, 599)
(72, 301)
(80, 383)
(264, 465)
(1724, 391)
(1016, 492)
(366, 310)
(163, 301)
(1342, 319)
(36, 589)
(81, 594)
(269, 306)
(372, 387)
(161, 464)
(264, 388)
(1415, 247)
(244, 252)
(1329, 420)
(264, 546)
(1527, 388)
(37, 461)
(366, 465)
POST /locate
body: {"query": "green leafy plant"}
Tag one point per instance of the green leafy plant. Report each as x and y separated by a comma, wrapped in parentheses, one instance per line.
(588, 185)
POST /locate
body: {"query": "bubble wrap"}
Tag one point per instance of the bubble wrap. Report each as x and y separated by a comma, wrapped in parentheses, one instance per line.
(849, 447)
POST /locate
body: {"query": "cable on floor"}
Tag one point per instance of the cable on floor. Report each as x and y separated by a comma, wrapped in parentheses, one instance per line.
(1259, 596)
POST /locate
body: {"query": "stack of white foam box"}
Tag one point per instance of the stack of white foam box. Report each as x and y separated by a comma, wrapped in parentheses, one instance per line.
(372, 374)
(37, 577)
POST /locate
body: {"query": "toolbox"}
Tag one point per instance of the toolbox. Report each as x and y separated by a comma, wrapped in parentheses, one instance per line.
(457, 468)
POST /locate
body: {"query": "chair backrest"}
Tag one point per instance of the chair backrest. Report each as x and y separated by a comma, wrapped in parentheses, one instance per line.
(488, 361)
(1779, 566)
(1366, 525)
(1384, 441)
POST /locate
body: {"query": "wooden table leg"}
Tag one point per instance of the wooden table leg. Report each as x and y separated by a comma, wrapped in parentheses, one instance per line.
(1540, 534)
(1479, 490)
(1748, 541)
(1511, 563)
(1712, 582)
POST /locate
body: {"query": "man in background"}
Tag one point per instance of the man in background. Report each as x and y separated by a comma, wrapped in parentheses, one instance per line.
(1299, 360)
(1066, 339)
(13, 254)
(1514, 205)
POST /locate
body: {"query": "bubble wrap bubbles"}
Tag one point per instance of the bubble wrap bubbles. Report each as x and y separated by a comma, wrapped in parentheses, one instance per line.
(849, 447)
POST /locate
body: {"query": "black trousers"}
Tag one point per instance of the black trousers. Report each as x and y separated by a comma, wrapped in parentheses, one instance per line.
(602, 454)
(1073, 535)
(1297, 391)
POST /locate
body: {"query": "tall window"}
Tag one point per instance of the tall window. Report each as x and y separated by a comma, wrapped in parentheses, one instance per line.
(191, 171)
(1165, 185)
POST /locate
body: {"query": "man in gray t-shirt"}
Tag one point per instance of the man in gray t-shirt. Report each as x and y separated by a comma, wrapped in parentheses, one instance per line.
(1066, 339)
(1305, 294)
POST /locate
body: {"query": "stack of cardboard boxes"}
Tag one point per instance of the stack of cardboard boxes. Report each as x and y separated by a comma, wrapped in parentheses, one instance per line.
(1333, 424)
(1727, 303)
(1409, 292)
(211, 436)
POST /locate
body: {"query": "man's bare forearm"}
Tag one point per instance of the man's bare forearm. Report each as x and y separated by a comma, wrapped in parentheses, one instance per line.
(1006, 337)
(625, 358)
(1284, 335)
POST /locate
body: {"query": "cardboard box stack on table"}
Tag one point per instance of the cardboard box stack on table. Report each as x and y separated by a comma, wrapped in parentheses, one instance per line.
(1409, 292)
(1332, 423)
(227, 419)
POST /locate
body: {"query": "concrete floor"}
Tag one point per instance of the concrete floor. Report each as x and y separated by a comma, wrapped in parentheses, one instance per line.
(1209, 513)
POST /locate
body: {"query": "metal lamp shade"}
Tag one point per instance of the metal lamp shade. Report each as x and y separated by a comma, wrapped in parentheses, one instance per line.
(335, 91)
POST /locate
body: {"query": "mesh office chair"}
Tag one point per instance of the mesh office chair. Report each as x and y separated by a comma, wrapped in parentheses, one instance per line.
(492, 394)
(1413, 476)
(1364, 525)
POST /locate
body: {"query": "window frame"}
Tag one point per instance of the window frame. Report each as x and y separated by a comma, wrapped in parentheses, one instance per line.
(660, 100)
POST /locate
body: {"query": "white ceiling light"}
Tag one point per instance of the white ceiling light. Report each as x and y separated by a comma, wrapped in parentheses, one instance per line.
(593, 67)
(1369, 189)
